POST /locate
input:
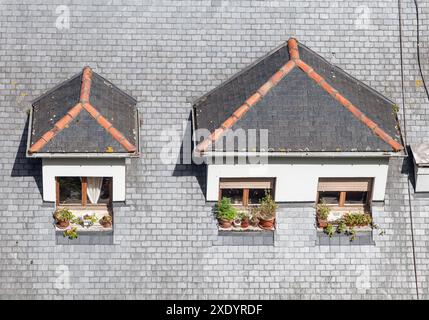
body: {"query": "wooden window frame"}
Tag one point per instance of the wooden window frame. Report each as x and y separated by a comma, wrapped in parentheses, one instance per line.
(245, 199)
(84, 199)
(343, 194)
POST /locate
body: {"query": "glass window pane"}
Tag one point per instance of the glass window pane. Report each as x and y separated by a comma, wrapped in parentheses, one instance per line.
(356, 197)
(329, 197)
(70, 190)
(256, 195)
(236, 195)
(105, 191)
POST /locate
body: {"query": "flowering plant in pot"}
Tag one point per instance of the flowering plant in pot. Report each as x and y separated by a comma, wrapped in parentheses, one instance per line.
(245, 217)
(322, 214)
(106, 221)
(267, 212)
(63, 217)
(225, 212)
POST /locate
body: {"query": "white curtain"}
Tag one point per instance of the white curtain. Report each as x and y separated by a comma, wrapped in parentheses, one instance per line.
(94, 188)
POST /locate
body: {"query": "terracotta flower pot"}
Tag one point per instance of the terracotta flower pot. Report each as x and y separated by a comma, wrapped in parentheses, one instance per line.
(245, 223)
(266, 224)
(62, 224)
(322, 223)
(105, 224)
(224, 223)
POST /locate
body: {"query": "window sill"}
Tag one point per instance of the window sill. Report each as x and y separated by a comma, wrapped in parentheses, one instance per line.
(243, 230)
(94, 228)
(80, 212)
(85, 237)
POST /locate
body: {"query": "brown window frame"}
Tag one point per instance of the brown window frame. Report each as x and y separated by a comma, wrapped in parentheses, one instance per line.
(246, 181)
(343, 194)
(84, 199)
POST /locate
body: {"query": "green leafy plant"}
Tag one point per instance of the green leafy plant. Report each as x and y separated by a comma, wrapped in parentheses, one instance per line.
(71, 233)
(352, 233)
(341, 227)
(357, 219)
(63, 214)
(225, 210)
(329, 230)
(323, 210)
(267, 208)
(244, 214)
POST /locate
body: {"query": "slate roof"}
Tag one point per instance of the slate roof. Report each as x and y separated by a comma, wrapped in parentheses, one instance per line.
(85, 114)
(305, 103)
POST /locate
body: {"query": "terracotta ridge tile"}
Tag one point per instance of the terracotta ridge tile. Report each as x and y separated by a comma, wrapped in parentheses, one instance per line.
(108, 126)
(58, 127)
(349, 106)
(293, 49)
(86, 85)
(250, 102)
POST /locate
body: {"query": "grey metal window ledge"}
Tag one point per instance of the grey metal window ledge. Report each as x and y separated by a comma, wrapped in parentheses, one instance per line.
(362, 238)
(245, 238)
(86, 238)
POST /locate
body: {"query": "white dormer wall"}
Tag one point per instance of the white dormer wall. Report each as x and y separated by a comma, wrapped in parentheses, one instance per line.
(297, 178)
(80, 167)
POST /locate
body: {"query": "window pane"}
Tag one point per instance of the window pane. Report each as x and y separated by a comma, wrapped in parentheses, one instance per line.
(329, 197)
(105, 191)
(236, 195)
(256, 195)
(356, 197)
(70, 190)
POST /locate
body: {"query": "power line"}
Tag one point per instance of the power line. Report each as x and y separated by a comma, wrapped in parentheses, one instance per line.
(405, 140)
(418, 49)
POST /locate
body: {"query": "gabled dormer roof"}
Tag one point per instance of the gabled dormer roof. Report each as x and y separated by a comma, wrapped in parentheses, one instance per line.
(305, 103)
(86, 114)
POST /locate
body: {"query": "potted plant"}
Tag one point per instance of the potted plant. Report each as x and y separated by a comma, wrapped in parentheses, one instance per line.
(238, 219)
(63, 217)
(322, 214)
(245, 217)
(253, 219)
(106, 221)
(225, 212)
(89, 220)
(267, 212)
